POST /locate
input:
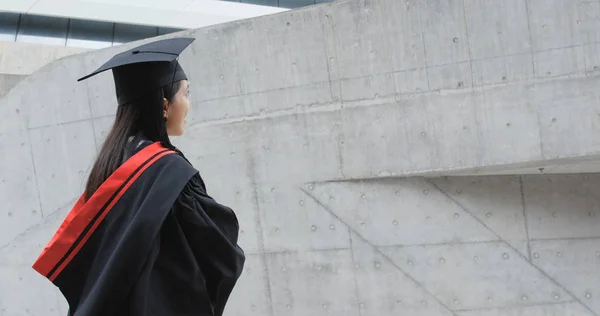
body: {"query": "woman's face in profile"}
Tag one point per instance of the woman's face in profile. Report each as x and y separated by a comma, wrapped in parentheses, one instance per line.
(177, 110)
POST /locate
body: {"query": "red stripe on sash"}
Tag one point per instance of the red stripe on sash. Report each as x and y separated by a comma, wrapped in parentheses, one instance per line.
(84, 217)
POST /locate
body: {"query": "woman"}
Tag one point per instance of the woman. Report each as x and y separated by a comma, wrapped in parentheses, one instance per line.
(145, 238)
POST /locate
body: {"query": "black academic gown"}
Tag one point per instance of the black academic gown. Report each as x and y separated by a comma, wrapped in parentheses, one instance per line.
(150, 241)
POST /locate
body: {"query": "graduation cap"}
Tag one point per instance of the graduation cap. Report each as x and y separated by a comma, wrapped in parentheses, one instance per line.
(145, 68)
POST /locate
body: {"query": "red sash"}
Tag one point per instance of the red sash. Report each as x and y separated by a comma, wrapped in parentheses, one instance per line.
(84, 217)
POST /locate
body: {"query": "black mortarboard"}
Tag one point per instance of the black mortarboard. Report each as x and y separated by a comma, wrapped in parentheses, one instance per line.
(145, 68)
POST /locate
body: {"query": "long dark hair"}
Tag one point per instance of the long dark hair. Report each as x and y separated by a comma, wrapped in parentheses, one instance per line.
(141, 118)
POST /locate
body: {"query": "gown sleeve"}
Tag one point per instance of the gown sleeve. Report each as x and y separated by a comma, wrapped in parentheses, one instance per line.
(211, 231)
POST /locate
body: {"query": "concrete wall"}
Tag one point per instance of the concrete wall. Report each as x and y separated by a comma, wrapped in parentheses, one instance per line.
(303, 122)
(8, 81)
(25, 58)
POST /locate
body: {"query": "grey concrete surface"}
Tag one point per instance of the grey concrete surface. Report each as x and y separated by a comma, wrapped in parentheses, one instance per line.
(309, 124)
(26, 58)
(8, 81)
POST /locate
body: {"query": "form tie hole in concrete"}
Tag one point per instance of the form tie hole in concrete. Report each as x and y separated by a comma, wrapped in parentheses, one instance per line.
(272, 190)
(253, 307)
(424, 303)
(456, 215)
(257, 70)
(536, 255)
(488, 215)
(276, 230)
(455, 40)
(283, 269)
(362, 224)
(397, 193)
(376, 96)
(554, 214)
(319, 268)
(597, 253)
(596, 68)
(426, 192)
(507, 124)
(409, 262)
(311, 187)
(442, 260)
(313, 228)
(324, 305)
(18, 111)
(505, 256)
(559, 254)
(455, 302)
(503, 78)
(458, 191)
(398, 302)
(288, 24)
(222, 77)
(549, 73)
(423, 134)
(10, 214)
(461, 84)
(556, 296)
(489, 299)
(578, 21)
(288, 306)
(524, 298)
(331, 227)
(362, 305)
(232, 154)
(553, 120)
(475, 258)
(301, 202)
(34, 212)
(592, 214)
(363, 196)
(377, 265)
(395, 223)
(588, 295)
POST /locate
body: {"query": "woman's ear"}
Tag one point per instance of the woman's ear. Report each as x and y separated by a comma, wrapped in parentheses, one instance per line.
(165, 107)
